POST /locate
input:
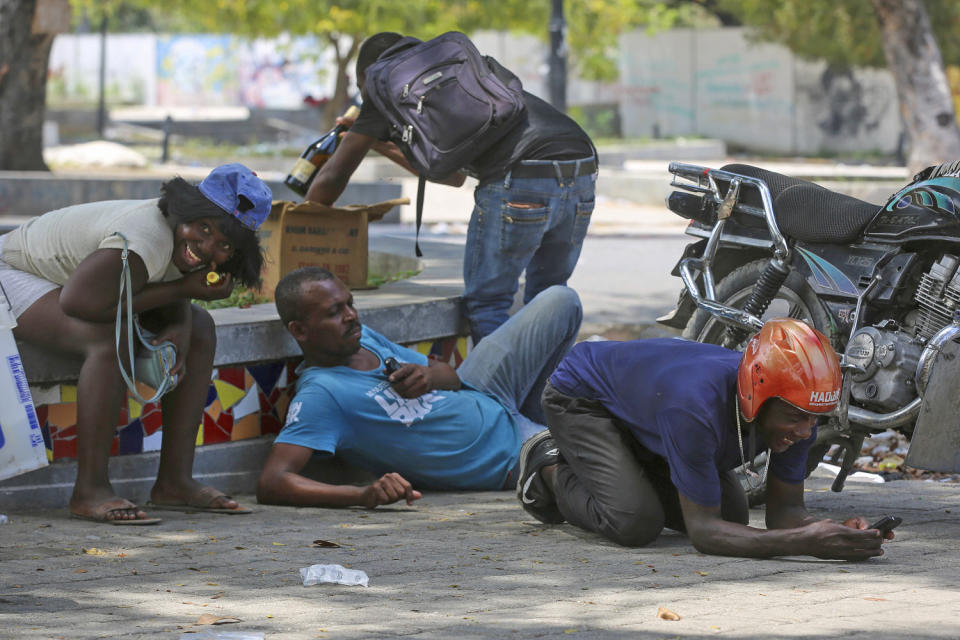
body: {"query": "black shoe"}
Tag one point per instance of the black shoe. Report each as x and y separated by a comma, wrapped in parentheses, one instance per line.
(534, 493)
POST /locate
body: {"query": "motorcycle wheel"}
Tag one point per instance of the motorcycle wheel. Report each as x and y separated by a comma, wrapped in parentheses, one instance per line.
(795, 300)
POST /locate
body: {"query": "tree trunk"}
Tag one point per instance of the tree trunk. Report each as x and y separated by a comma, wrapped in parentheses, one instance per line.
(926, 105)
(340, 100)
(24, 57)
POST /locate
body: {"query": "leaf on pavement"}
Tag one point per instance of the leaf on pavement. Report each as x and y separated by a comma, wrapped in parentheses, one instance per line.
(325, 544)
(665, 614)
(209, 618)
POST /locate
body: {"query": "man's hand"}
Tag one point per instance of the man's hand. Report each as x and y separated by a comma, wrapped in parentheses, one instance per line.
(412, 380)
(389, 489)
(859, 522)
(345, 121)
(848, 541)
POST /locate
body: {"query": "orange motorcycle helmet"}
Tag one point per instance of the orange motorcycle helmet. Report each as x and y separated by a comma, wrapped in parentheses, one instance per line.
(790, 360)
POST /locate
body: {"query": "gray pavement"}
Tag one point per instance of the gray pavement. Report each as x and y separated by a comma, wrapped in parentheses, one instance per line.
(471, 565)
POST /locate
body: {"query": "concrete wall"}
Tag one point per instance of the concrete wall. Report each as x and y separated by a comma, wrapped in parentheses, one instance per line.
(715, 83)
(705, 82)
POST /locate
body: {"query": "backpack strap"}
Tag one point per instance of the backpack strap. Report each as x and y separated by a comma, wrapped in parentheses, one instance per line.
(420, 188)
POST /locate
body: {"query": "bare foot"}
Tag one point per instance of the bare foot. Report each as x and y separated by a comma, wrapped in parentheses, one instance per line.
(113, 509)
(195, 497)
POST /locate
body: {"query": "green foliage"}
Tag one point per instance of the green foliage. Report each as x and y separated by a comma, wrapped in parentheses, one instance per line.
(374, 280)
(240, 297)
(600, 121)
(845, 33)
(593, 26)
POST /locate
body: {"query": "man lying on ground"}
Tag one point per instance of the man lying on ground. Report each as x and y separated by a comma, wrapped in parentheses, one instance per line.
(425, 425)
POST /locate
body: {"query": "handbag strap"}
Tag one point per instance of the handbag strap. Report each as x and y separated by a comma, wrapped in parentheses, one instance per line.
(132, 326)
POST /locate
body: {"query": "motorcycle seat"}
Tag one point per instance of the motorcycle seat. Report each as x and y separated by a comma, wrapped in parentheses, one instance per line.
(777, 182)
(806, 211)
(811, 213)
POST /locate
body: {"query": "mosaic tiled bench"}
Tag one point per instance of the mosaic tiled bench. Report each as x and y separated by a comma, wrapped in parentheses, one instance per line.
(248, 395)
(242, 402)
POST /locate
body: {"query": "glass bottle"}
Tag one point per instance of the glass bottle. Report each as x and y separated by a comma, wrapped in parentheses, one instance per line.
(310, 161)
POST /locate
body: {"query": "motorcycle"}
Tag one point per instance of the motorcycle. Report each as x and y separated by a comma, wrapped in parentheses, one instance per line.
(881, 282)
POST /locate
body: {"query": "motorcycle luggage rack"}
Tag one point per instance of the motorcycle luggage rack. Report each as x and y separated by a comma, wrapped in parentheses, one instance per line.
(705, 181)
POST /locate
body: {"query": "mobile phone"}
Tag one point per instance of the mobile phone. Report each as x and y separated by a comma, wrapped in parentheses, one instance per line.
(886, 523)
(391, 365)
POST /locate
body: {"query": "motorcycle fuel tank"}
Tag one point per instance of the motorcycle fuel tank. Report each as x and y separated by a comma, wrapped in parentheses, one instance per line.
(927, 208)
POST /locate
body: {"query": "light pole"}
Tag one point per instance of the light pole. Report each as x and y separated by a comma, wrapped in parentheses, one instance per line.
(558, 56)
(102, 97)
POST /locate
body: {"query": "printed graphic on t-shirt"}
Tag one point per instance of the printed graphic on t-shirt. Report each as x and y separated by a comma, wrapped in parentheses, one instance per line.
(293, 413)
(404, 410)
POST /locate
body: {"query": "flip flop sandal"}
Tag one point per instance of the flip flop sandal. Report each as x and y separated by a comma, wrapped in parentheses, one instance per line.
(100, 512)
(201, 504)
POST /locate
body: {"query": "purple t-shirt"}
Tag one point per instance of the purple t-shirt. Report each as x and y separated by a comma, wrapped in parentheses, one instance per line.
(677, 397)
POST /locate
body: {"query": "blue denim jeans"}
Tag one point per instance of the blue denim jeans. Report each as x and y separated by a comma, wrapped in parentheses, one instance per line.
(503, 240)
(513, 362)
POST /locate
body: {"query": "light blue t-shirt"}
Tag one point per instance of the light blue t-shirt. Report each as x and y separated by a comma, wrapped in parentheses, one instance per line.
(443, 440)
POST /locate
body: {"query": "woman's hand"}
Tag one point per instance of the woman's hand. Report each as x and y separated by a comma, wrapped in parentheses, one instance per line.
(179, 334)
(194, 285)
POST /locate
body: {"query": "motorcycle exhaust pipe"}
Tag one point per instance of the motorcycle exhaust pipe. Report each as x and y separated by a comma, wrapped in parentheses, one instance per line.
(883, 421)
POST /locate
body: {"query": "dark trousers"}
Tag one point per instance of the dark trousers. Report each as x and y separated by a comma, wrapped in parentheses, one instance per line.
(607, 483)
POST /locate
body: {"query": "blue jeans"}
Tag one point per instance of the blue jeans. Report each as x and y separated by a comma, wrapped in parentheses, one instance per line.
(503, 240)
(514, 361)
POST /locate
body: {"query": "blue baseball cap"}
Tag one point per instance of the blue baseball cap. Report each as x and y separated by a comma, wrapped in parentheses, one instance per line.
(228, 183)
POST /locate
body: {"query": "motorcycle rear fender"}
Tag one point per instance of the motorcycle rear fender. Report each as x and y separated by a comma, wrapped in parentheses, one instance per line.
(935, 442)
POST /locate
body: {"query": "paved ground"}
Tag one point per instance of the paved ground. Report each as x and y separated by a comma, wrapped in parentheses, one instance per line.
(473, 565)
(470, 565)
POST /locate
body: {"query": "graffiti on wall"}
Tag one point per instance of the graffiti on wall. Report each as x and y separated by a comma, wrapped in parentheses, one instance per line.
(190, 71)
(848, 107)
(194, 70)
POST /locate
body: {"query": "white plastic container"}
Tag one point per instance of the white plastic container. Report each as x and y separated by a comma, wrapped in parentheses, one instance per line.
(21, 441)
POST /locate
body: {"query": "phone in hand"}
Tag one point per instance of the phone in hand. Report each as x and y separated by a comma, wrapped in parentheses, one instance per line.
(391, 366)
(886, 524)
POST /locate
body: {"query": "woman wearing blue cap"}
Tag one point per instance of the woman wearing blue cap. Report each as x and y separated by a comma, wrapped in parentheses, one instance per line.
(60, 272)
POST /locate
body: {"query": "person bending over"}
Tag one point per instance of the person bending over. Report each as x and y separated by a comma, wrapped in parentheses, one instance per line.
(61, 273)
(532, 203)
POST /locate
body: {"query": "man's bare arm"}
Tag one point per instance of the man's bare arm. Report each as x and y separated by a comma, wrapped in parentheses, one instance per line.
(334, 175)
(711, 534)
(281, 483)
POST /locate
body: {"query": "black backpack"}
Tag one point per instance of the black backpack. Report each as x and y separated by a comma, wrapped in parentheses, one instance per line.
(446, 103)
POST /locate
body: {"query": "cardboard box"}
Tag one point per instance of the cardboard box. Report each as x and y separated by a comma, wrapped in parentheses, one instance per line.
(310, 234)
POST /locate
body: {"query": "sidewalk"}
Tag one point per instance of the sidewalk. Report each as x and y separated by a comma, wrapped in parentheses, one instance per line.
(470, 565)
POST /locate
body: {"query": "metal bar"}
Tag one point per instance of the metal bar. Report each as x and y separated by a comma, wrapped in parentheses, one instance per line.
(727, 315)
(884, 421)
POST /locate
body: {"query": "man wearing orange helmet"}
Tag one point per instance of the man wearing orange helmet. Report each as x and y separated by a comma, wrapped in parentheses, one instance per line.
(646, 434)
